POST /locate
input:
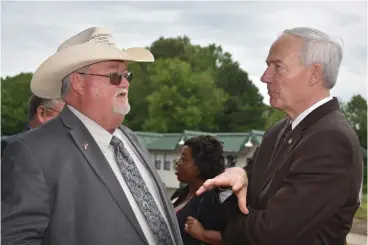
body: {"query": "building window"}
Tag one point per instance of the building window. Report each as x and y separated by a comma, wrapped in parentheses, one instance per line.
(167, 163)
(157, 163)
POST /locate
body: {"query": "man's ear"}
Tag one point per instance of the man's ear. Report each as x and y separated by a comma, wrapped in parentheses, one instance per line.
(316, 74)
(41, 114)
(76, 82)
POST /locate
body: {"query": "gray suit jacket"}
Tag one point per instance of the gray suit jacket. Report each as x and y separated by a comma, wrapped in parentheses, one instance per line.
(54, 191)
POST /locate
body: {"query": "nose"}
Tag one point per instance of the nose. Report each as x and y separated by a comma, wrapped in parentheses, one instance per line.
(267, 76)
(177, 162)
(123, 83)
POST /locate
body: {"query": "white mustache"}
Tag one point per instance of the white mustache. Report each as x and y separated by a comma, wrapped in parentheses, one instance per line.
(124, 90)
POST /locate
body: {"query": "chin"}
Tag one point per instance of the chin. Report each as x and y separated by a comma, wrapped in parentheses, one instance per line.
(274, 103)
(122, 110)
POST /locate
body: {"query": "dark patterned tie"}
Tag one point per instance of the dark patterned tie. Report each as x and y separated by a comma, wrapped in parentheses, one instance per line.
(141, 193)
(285, 136)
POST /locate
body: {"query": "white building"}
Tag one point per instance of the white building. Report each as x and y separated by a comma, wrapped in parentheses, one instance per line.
(165, 149)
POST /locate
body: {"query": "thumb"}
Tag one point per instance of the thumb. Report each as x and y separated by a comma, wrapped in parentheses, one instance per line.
(242, 200)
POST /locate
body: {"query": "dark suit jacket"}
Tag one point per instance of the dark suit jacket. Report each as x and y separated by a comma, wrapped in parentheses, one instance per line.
(56, 192)
(5, 140)
(308, 192)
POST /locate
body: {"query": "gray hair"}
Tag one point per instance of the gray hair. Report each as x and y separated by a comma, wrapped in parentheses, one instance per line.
(319, 48)
(35, 101)
(65, 83)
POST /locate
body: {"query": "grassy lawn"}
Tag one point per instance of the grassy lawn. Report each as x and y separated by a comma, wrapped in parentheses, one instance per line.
(362, 211)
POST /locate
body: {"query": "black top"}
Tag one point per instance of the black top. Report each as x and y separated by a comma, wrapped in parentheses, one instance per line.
(206, 208)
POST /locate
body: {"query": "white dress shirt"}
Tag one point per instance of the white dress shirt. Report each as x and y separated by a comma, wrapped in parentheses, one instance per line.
(305, 113)
(103, 139)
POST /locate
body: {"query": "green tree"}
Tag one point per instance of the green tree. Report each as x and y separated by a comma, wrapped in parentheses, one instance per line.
(182, 99)
(15, 92)
(139, 89)
(273, 115)
(243, 109)
(356, 113)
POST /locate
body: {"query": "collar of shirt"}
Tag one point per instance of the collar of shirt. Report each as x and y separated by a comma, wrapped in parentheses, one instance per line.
(305, 113)
(100, 135)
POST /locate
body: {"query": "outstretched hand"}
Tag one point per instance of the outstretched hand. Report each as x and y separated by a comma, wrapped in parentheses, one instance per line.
(235, 178)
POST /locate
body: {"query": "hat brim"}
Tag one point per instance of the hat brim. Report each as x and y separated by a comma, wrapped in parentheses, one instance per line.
(47, 80)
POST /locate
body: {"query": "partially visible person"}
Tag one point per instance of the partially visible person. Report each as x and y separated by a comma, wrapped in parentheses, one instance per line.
(200, 217)
(305, 177)
(40, 110)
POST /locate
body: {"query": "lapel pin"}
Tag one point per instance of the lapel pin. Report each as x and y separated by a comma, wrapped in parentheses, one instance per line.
(290, 140)
(85, 146)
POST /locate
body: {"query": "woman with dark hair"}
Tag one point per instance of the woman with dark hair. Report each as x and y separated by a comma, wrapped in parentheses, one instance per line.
(200, 217)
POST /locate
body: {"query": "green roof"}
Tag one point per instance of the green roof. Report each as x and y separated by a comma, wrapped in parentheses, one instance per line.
(146, 138)
(166, 142)
(233, 142)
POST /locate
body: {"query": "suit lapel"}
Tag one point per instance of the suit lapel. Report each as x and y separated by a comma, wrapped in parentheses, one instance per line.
(281, 155)
(95, 158)
(286, 149)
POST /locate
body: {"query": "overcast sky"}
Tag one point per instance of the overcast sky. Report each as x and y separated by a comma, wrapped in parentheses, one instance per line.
(32, 31)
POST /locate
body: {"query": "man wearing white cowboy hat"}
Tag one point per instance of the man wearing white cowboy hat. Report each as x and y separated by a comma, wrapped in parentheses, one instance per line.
(82, 178)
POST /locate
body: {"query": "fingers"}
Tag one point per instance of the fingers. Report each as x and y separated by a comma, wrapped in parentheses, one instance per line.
(237, 185)
(223, 180)
(190, 218)
(186, 227)
(242, 200)
(190, 226)
(207, 185)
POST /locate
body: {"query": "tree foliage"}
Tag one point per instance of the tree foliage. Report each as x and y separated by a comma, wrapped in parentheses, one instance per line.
(356, 113)
(15, 92)
(182, 99)
(240, 107)
(273, 115)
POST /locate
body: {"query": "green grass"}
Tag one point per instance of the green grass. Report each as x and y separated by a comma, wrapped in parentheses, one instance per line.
(362, 211)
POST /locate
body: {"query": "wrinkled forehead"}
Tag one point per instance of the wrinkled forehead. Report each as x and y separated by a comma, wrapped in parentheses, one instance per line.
(286, 47)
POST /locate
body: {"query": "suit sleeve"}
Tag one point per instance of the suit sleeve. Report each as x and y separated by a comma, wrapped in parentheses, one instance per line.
(25, 210)
(312, 192)
(250, 163)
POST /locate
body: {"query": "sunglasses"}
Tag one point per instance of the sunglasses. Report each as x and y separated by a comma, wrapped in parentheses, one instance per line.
(115, 78)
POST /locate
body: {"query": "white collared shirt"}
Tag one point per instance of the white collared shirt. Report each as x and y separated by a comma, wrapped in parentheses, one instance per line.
(305, 113)
(103, 139)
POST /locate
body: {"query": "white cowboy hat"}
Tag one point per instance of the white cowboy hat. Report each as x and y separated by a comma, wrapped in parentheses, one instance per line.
(87, 47)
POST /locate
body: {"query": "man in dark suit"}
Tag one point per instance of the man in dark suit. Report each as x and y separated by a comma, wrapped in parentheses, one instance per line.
(305, 177)
(82, 178)
(40, 110)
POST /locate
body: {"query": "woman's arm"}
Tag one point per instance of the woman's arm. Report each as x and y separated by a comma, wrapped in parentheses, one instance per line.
(212, 237)
(194, 228)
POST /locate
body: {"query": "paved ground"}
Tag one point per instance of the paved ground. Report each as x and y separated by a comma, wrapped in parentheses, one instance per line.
(356, 239)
